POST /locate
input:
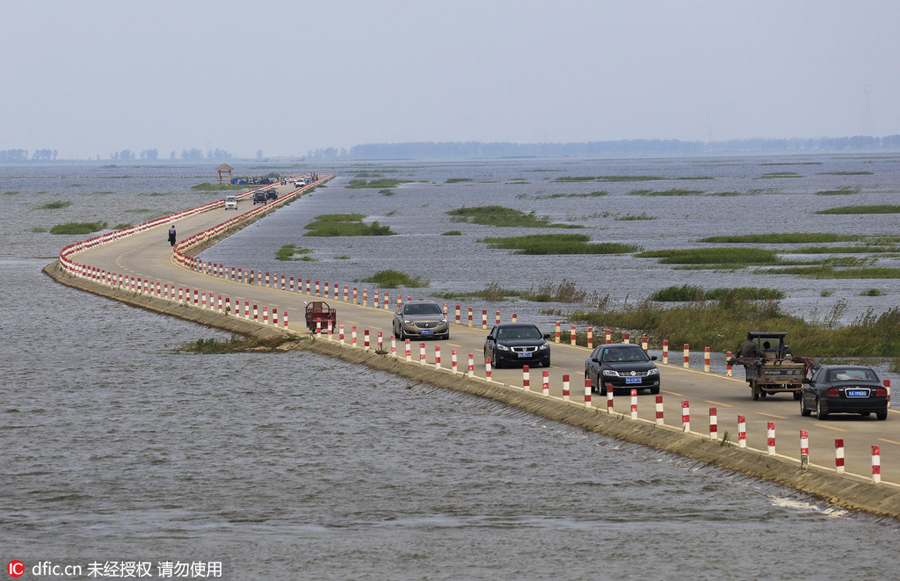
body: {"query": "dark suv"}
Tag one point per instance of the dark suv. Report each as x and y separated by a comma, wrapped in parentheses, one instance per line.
(517, 344)
(259, 197)
(622, 365)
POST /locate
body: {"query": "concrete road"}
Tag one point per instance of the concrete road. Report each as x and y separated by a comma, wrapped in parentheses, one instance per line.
(148, 255)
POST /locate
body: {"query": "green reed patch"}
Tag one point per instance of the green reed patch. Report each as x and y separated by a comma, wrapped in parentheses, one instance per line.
(369, 174)
(633, 217)
(208, 187)
(38, 230)
(598, 194)
(686, 293)
(357, 184)
(872, 292)
(610, 178)
(345, 225)
(78, 228)
(10, 192)
(874, 209)
(395, 279)
(501, 216)
(457, 180)
(671, 192)
(386, 192)
(843, 250)
(58, 205)
(780, 174)
(847, 173)
(826, 271)
(845, 191)
(153, 194)
(451, 233)
(543, 244)
(783, 238)
(735, 257)
(290, 251)
(121, 226)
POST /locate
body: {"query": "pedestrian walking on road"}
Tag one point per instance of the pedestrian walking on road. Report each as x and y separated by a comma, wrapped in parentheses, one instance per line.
(172, 235)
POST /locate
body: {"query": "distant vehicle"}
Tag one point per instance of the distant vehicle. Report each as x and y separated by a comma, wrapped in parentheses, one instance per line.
(299, 182)
(421, 319)
(844, 389)
(623, 366)
(259, 197)
(231, 202)
(517, 344)
(320, 316)
(271, 194)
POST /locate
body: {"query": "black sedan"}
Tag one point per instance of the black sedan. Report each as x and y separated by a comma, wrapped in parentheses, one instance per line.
(517, 344)
(622, 365)
(844, 389)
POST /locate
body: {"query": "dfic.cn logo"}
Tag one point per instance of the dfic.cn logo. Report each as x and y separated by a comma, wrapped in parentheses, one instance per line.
(16, 568)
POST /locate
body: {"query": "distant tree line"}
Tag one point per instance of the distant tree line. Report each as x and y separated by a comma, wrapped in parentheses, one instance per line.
(591, 148)
(22, 155)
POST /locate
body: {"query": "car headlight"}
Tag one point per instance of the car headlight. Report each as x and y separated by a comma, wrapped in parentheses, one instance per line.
(407, 322)
(444, 321)
(544, 347)
(611, 372)
(502, 347)
(653, 371)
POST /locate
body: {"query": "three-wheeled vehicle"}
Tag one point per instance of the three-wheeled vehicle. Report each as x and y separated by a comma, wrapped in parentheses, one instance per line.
(320, 316)
(769, 365)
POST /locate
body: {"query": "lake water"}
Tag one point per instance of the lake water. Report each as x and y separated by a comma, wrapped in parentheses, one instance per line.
(297, 466)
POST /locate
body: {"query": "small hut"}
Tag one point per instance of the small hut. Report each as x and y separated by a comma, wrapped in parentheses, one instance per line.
(223, 169)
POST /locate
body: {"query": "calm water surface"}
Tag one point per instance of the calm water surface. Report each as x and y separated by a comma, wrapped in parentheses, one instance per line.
(296, 466)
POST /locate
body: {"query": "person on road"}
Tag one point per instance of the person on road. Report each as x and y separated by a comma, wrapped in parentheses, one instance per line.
(172, 235)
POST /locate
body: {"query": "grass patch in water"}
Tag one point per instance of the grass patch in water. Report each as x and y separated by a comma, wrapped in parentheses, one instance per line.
(687, 293)
(556, 196)
(451, 233)
(734, 257)
(386, 192)
(839, 192)
(395, 279)
(872, 292)
(38, 230)
(827, 271)
(785, 238)
(671, 192)
(58, 205)
(543, 244)
(847, 173)
(357, 184)
(564, 291)
(501, 216)
(208, 187)
(632, 217)
(779, 174)
(369, 174)
(874, 209)
(345, 225)
(289, 251)
(10, 193)
(78, 228)
(457, 180)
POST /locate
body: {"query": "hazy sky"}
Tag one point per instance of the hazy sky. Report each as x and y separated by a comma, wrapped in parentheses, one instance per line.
(91, 77)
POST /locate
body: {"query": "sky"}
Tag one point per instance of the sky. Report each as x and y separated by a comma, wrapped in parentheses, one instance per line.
(285, 77)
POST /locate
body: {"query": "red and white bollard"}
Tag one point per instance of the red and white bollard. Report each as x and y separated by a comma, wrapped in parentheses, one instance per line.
(804, 449)
(713, 424)
(366, 340)
(572, 338)
(393, 346)
(285, 320)
(565, 386)
(265, 315)
(471, 365)
(353, 336)
(610, 396)
(453, 362)
(706, 359)
(421, 353)
(839, 455)
(659, 410)
(387, 301)
(556, 334)
(587, 392)
(246, 309)
(590, 337)
(626, 338)
(377, 303)
(275, 317)
(318, 326)
(408, 351)
(487, 368)
(470, 316)
(742, 431)
(515, 317)
(526, 378)
(770, 438)
(887, 386)
(634, 404)
(728, 370)
(497, 318)
(437, 356)
(545, 384)
(687, 355)
(457, 314)
(685, 416)
(341, 333)
(608, 336)
(665, 352)
(484, 318)
(255, 311)
(876, 464)
(365, 297)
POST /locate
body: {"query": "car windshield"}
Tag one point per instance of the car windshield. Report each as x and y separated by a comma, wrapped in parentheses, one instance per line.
(422, 309)
(851, 375)
(519, 333)
(624, 354)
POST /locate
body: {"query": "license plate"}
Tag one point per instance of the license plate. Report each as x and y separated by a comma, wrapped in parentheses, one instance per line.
(857, 393)
(524, 354)
(427, 331)
(632, 380)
